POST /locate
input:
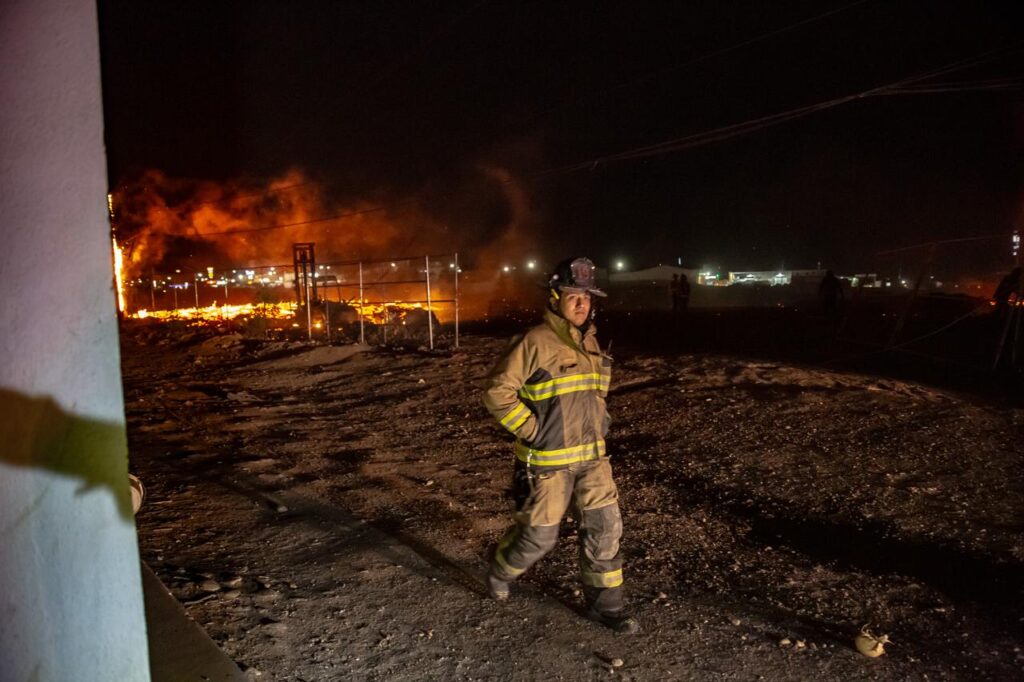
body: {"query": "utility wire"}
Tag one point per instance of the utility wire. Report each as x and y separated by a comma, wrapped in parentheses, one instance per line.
(668, 146)
(957, 240)
(265, 228)
(734, 130)
(259, 194)
(644, 78)
(388, 72)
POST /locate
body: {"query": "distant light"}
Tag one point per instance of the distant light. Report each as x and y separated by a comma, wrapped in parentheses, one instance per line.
(619, 265)
(393, 265)
(505, 268)
(531, 264)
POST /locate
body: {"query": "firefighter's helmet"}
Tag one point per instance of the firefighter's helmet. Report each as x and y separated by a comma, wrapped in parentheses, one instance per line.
(575, 274)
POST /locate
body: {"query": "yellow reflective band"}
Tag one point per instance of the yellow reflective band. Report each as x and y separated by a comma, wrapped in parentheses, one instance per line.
(510, 570)
(519, 422)
(567, 384)
(578, 453)
(609, 579)
(561, 380)
(514, 414)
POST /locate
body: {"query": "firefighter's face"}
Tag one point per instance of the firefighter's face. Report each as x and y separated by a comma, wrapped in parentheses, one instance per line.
(575, 306)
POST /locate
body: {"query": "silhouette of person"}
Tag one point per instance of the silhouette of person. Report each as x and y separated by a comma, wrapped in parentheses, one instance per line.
(830, 291)
(680, 288)
(1008, 286)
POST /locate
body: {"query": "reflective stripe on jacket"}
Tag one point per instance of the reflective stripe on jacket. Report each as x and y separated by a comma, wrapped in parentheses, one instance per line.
(548, 388)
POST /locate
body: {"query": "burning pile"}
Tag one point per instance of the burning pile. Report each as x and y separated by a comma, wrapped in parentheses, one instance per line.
(218, 313)
(188, 230)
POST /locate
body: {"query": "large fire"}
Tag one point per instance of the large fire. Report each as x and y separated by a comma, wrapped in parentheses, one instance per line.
(182, 243)
(119, 275)
(216, 313)
(378, 313)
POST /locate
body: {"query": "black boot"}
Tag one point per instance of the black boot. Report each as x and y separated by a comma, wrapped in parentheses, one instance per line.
(497, 588)
(607, 606)
(621, 622)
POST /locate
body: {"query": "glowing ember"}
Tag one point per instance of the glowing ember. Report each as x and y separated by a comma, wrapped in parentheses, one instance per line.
(119, 274)
(216, 312)
(378, 313)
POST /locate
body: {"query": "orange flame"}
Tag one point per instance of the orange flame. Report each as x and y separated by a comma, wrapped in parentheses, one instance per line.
(216, 312)
(119, 274)
(190, 225)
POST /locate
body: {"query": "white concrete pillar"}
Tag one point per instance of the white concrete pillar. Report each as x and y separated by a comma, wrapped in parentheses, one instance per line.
(70, 588)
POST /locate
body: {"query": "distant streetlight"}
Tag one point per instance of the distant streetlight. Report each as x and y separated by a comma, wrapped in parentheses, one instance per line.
(530, 265)
(620, 265)
(505, 268)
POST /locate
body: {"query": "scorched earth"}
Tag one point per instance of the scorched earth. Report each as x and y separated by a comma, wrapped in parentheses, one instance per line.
(326, 513)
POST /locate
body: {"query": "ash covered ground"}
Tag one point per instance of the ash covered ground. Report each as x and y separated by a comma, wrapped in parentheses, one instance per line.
(326, 513)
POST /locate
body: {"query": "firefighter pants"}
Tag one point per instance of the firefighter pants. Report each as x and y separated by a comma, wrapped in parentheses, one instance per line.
(595, 504)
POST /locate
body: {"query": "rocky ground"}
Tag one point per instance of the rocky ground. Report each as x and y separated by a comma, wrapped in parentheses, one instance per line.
(326, 513)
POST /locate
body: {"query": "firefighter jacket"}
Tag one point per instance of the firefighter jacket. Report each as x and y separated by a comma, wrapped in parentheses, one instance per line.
(549, 389)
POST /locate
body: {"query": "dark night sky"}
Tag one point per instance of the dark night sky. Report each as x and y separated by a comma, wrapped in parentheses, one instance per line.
(390, 98)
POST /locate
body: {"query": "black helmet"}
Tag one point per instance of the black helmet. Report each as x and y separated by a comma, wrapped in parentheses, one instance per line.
(575, 274)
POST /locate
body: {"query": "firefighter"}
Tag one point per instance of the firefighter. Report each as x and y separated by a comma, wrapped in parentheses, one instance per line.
(548, 389)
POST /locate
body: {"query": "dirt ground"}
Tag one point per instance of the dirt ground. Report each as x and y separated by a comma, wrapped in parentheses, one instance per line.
(326, 513)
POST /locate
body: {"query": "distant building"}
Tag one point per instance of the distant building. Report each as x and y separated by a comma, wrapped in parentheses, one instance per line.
(660, 274)
(760, 277)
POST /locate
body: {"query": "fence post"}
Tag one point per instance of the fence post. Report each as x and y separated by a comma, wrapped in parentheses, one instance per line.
(456, 299)
(430, 315)
(309, 312)
(362, 336)
(913, 296)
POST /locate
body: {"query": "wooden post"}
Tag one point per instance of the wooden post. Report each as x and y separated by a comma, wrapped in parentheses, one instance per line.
(913, 296)
(362, 335)
(456, 300)
(430, 315)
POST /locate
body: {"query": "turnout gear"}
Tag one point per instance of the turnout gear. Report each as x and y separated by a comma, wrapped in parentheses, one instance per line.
(591, 491)
(548, 389)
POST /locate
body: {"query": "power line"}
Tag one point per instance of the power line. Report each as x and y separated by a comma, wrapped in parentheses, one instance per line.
(257, 195)
(940, 242)
(389, 71)
(702, 58)
(667, 146)
(745, 127)
(265, 228)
